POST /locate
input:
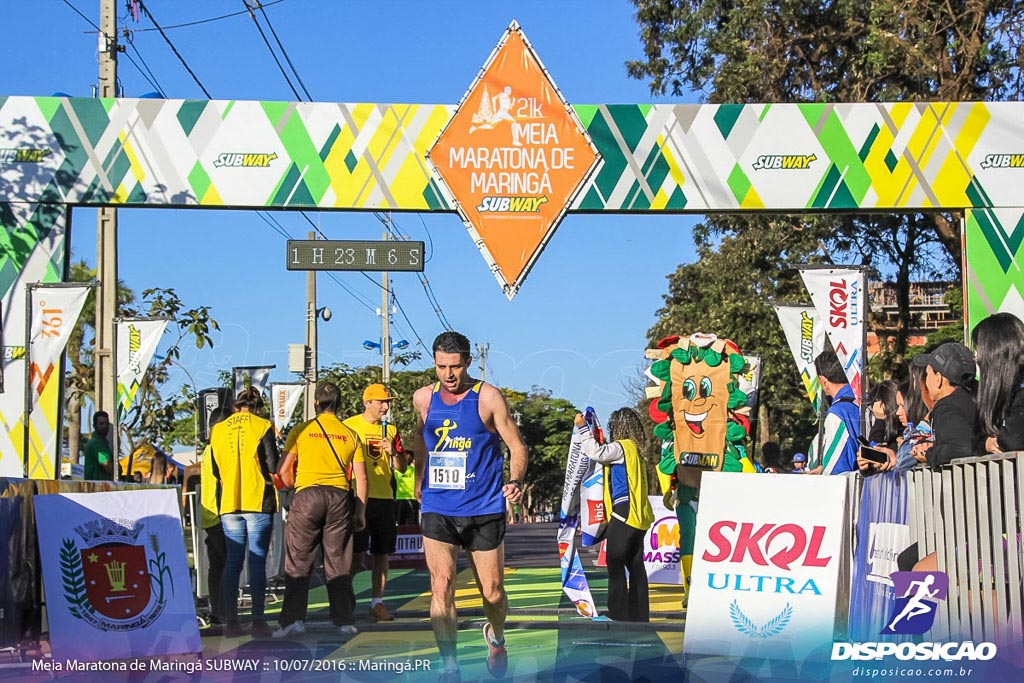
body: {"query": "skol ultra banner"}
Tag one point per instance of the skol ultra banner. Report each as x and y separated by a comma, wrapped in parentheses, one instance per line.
(258, 375)
(54, 311)
(805, 334)
(765, 577)
(839, 298)
(136, 341)
(283, 399)
(514, 156)
(116, 575)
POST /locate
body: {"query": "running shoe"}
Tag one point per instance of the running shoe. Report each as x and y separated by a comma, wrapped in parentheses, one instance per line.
(233, 629)
(380, 613)
(261, 629)
(497, 655)
(296, 628)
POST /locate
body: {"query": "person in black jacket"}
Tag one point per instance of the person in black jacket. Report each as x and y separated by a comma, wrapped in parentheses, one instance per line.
(999, 344)
(948, 369)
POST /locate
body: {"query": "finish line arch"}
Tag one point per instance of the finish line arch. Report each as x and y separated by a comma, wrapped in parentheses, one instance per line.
(59, 152)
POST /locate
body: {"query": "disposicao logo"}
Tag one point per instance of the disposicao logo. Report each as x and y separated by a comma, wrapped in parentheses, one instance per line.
(918, 595)
(244, 160)
(774, 162)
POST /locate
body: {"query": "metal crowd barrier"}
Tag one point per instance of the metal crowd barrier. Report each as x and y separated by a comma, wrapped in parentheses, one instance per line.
(969, 515)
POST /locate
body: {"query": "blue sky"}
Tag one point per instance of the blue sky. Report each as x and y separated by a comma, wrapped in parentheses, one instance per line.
(578, 325)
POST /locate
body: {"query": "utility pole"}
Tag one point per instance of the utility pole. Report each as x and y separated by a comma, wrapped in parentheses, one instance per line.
(385, 315)
(308, 408)
(106, 245)
(481, 352)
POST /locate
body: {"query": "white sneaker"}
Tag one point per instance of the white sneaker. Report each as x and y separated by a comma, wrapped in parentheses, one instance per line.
(296, 628)
(348, 630)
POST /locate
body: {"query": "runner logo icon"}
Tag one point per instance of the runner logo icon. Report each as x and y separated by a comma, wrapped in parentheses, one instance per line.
(917, 599)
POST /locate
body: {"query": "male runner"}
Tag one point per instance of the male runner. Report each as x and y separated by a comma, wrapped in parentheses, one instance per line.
(459, 479)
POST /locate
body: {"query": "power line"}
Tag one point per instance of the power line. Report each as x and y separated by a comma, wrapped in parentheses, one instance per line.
(281, 47)
(195, 78)
(271, 49)
(211, 19)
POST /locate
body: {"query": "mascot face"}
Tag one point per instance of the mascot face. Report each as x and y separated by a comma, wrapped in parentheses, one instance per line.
(700, 400)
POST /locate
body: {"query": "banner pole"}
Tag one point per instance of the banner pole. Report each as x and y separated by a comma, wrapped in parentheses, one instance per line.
(25, 421)
(115, 445)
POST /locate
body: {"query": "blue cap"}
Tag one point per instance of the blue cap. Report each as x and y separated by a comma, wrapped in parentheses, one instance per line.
(799, 457)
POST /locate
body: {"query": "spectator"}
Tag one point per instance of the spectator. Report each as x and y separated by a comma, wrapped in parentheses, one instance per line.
(405, 496)
(888, 411)
(625, 494)
(324, 512)
(772, 460)
(382, 449)
(799, 464)
(209, 520)
(948, 369)
(99, 458)
(835, 449)
(244, 456)
(999, 344)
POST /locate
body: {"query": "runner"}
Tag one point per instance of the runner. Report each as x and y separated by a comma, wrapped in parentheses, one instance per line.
(459, 480)
(384, 457)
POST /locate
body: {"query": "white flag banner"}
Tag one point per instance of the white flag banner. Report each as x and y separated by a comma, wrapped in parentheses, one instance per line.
(284, 398)
(54, 311)
(749, 380)
(137, 339)
(258, 376)
(805, 334)
(838, 295)
(116, 575)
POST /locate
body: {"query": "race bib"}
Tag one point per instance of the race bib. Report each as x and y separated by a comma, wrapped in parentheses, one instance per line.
(447, 470)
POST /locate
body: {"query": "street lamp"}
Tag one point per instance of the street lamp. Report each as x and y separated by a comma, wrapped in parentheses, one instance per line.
(385, 362)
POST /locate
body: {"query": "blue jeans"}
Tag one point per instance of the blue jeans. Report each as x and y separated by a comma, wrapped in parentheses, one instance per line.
(242, 530)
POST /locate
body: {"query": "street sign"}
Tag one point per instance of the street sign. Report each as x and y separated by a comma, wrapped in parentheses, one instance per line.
(355, 255)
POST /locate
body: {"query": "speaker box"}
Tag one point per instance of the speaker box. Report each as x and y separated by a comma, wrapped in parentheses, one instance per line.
(209, 401)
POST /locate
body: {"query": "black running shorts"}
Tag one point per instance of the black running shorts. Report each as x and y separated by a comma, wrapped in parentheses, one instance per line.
(482, 532)
(380, 535)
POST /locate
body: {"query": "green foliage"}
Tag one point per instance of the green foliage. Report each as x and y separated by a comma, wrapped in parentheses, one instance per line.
(546, 425)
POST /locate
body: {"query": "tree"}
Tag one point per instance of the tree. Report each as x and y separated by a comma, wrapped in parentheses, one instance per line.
(546, 425)
(890, 50)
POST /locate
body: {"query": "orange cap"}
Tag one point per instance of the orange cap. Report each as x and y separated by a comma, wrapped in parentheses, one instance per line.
(376, 392)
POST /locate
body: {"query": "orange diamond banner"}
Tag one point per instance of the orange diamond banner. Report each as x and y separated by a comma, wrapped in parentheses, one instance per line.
(513, 156)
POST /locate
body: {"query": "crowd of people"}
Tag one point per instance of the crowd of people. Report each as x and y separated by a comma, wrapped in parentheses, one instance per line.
(353, 483)
(955, 404)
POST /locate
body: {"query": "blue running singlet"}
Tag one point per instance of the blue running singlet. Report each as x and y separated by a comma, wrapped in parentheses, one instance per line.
(464, 461)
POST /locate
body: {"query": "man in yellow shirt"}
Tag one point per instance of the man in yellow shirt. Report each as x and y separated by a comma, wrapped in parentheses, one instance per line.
(330, 461)
(384, 456)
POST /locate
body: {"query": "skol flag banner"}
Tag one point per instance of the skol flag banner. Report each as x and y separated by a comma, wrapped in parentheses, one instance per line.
(258, 376)
(54, 311)
(765, 579)
(136, 341)
(839, 298)
(805, 333)
(116, 575)
(283, 399)
(513, 155)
